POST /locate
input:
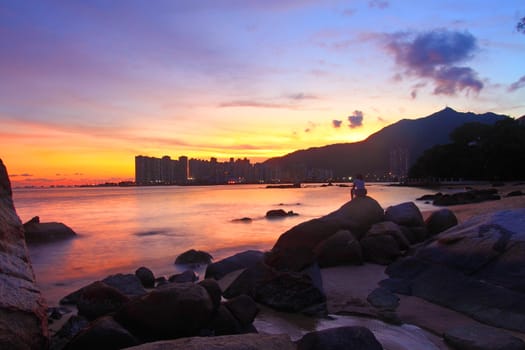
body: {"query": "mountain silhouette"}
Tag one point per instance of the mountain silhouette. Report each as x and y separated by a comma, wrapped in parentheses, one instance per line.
(372, 155)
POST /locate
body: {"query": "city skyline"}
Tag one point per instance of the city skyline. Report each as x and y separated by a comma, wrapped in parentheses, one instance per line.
(87, 86)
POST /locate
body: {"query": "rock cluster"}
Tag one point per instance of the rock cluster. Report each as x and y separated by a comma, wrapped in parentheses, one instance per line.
(465, 197)
(477, 268)
(23, 321)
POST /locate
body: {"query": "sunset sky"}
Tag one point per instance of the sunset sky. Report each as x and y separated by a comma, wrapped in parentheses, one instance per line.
(87, 85)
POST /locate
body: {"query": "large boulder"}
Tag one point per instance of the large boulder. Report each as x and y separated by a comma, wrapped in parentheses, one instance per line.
(23, 321)
(174, 311)
(294, 249)
(477, 267)
(219, 269)
(284, 291)
(146, 277)
(340, 249)
(340, 338)
(440, 221)
(405, 214)
(99, 299)
(43, 232)
(230, 342)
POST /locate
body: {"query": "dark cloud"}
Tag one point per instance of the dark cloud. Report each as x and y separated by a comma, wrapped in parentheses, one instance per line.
(415, 89)
(517, 85)
(434, 55)
(21, 175)
(356, 119)
(381, 4)
(337, 123)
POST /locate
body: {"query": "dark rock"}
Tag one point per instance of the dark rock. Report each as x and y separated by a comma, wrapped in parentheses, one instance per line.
(104, 333)
(405, 214)
(243, 308)
(515, 194)
(41, 232)
(429, 197)
(477, 268)
(279, 213)
(478, 337)
(383, 298)
(160, 281)
(99, 299)
(238, 261)
(186, 276)
(213, 289)
(440, 221)
(339, 249)
(285, 291)
(290, 259)
(128, 284)
(224, 323)
(380, 249)
(472, 196)
(226, 342)
(56, 313)
(23, 319)
(340, 338)
(177, 310)
(244, 219)
(391, 229)
(146, 277)
(73, 325)
(194, 257)
(415, 234)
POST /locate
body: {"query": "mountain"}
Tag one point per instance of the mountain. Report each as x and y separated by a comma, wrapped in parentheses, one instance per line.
(373, 155)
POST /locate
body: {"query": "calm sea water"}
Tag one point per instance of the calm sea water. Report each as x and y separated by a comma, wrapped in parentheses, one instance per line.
(121, 229)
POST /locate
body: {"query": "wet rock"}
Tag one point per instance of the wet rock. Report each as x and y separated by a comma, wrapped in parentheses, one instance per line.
(174, 311)
(42, 232)
(73, 325)
(478, 337)
(214, 291)
(99, 299)
(243, 308)
(472, 196)
(128, 284)
(340, 338)
(515, 193)
(279, 213)
(104, 333)
(440, 221)
(146, 277)
(186, 276)
(194, 257)
(23, 319)
(235, 262)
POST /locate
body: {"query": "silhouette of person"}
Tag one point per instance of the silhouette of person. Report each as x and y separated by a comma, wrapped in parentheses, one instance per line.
(358, 188)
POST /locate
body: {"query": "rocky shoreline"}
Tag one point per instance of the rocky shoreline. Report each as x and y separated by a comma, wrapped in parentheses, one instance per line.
(459, 277)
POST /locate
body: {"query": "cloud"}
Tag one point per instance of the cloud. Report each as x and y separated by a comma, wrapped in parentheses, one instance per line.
(415, 89)
(517, 84)
(21, 175)
(337, 123)
(302, 96)
(356, 119)
(255, 104)
(434, 55)
(380, 4)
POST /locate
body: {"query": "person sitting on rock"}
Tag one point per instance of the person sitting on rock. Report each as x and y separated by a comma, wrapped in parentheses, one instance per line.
(358, 188)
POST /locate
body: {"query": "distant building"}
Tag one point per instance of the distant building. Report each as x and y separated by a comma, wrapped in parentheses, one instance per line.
(399, 162)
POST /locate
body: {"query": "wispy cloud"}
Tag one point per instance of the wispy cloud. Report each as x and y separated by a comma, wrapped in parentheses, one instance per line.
(381, 4)
(434, 55)
(255, 104)
(520, 83)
